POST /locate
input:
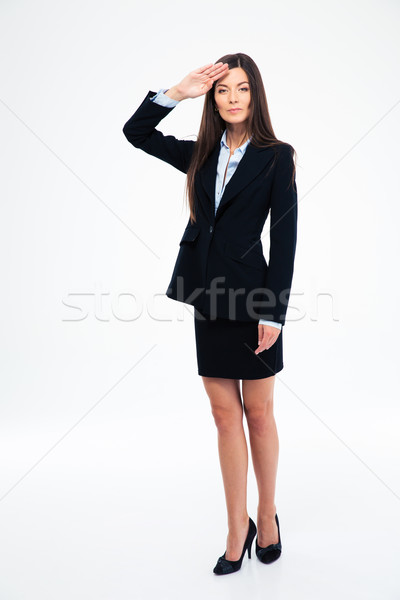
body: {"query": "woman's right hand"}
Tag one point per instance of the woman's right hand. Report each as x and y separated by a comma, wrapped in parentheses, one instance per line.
(198, 82)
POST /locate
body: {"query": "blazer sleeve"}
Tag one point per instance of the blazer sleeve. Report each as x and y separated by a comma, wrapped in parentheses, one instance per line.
(140, 130)
(283, 236)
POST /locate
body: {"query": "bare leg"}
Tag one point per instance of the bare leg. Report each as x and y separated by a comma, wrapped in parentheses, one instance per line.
(227, 410)
(264, 442)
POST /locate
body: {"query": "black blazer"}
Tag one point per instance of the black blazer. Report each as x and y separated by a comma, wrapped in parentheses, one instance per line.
(220, 268)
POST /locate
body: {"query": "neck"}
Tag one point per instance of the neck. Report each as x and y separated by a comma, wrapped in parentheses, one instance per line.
(236, 135)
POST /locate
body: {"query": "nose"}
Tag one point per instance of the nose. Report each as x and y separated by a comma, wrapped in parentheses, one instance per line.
(232, 97)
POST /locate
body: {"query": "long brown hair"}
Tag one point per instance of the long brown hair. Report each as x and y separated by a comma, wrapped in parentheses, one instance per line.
(212, 125)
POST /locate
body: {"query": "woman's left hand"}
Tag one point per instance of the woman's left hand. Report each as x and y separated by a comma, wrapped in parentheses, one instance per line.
(267, 336)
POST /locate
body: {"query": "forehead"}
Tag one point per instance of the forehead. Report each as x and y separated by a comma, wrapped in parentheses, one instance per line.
(233, 77)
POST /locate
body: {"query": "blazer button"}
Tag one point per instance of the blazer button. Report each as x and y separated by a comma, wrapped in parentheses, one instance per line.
(211, 228)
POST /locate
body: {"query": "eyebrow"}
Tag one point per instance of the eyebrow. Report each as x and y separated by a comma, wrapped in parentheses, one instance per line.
(237, 84)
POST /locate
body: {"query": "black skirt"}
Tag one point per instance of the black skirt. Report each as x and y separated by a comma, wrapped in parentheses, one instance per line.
(225, 348)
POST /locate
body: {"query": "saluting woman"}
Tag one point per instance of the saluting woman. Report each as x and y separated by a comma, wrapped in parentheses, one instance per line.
(238, 172)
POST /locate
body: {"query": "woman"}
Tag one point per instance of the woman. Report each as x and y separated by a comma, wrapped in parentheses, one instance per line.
(237, 171)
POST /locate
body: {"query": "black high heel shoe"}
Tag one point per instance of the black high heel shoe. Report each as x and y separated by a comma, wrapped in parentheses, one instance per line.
(271, 552)
(225, 566)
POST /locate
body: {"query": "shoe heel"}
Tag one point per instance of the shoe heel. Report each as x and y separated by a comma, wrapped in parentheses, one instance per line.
(252, 539)
(249, 549)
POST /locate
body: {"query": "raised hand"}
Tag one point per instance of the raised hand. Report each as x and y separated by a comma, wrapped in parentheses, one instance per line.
(198, 82)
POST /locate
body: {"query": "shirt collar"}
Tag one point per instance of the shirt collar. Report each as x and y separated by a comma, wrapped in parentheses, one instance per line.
(242, 148)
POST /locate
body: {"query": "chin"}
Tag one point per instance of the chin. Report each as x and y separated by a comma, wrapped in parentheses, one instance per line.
(231, 119)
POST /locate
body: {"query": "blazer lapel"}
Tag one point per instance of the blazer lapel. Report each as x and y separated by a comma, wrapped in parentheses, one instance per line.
(253, 161)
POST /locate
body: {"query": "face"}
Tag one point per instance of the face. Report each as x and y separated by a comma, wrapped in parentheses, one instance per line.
(233, 92)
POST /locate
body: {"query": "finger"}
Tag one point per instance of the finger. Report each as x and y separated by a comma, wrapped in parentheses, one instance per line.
(264, 343)
(221, 65)
(201, 69)
(261, 347)
(220, 74)
(217, 69)
(221, 69)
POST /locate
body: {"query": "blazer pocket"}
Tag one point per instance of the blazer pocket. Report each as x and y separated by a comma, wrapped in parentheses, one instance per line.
(190, 234)
(252, 257)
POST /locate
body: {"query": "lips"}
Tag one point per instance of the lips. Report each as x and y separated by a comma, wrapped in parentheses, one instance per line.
(234, 110)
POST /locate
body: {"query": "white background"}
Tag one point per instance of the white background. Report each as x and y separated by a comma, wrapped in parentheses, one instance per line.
(110, 481)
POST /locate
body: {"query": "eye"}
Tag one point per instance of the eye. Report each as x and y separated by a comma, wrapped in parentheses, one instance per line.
(246, 89)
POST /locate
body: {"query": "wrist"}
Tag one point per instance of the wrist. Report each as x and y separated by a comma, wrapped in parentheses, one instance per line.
(175, 93)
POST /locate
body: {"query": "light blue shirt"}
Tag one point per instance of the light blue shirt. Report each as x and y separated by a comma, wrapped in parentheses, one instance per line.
(224, 157)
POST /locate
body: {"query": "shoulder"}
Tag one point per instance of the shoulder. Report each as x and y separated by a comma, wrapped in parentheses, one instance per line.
(282, 154)
(284, 157)
(284, 161)
(284, 150)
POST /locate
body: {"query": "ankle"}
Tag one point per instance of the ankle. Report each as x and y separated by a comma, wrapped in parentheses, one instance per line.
(238, 523)
(267, 513)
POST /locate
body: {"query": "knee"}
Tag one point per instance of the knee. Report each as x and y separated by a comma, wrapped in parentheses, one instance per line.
(260, 419)
(227, 421)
